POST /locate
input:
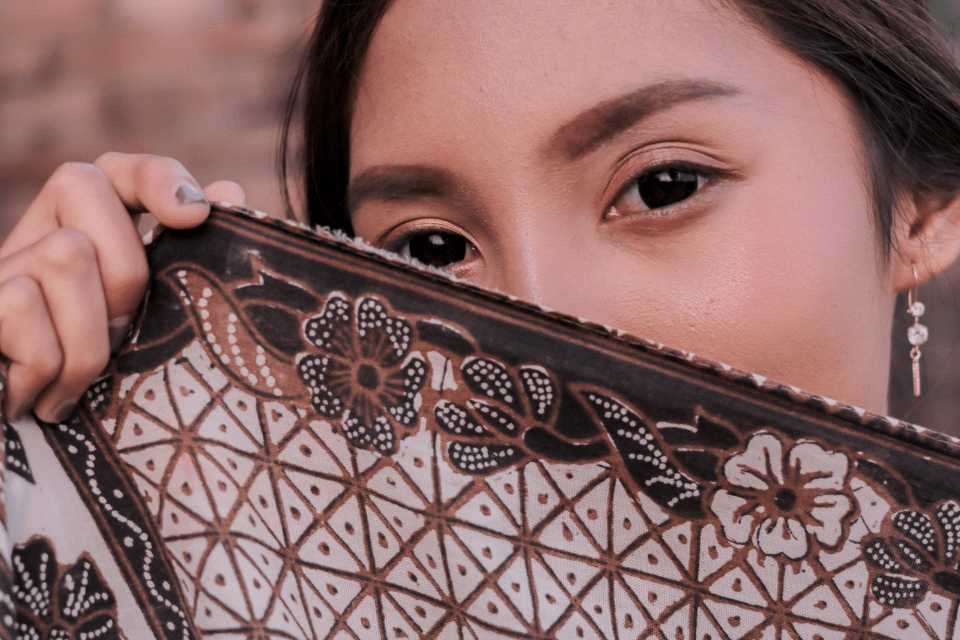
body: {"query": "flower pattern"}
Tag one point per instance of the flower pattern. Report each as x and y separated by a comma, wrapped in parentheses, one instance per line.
(783, 500)
(364, 375)
(919, 551)
(61, 603)
(273, 458)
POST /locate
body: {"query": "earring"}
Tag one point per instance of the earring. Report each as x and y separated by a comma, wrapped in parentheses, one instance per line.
(916, 334)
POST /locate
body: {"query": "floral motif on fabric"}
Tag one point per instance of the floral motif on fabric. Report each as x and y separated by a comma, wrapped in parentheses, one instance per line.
(783, 500)
(56, 602)
(363, 374)
(325, 463)
(922, 551)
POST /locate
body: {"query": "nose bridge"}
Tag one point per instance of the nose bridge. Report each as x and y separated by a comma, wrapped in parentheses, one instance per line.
(532, 250)
(520, 266)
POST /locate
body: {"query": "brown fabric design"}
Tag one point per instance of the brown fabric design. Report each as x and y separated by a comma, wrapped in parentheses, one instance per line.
(60, 602)
(302, 440)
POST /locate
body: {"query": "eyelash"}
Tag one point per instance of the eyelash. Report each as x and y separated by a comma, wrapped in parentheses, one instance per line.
(707, 174)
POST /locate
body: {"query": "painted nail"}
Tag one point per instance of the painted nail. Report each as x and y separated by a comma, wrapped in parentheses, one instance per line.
(188, 194)
(118, 331)
(65, 409)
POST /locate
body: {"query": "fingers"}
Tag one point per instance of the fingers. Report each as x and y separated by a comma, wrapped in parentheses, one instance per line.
(97, 199)
(28, 339)
(159, 185)
(79, 246)
(81, 197)
(53, 323)
(226, 191)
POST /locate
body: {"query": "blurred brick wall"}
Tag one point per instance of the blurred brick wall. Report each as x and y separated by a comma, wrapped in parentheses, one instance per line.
(205, 81)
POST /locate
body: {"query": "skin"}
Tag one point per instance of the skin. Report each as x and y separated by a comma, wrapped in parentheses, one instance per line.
(495, 120)
(771, 266)
(73, 271)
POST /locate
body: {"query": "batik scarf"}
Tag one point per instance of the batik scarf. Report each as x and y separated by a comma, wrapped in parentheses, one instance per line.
(303, 438)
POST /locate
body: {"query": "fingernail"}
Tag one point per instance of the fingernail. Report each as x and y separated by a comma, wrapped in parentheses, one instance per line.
(188, 194)
(64, 410)
(118, 331)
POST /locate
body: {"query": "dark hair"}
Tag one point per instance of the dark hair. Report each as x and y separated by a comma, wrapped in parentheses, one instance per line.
(324, 89)
(900, 75)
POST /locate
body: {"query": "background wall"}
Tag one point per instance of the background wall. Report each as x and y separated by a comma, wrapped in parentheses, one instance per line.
(205, 81)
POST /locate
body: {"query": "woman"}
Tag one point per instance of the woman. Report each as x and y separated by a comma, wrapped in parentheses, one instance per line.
(751, 181)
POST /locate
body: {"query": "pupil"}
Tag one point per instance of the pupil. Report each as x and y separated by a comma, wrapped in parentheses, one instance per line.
(438, 249)
(664, 188)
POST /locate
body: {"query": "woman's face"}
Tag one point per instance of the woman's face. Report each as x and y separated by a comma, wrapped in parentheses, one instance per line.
(656, 165)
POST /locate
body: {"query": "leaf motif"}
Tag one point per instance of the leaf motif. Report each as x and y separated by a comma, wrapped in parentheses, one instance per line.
(645, 458)
(540, 391)
(483, 459)
(898, 591)
(916, 527)
(230, 337)
(879, 554)
(491, 380)
(948, 515)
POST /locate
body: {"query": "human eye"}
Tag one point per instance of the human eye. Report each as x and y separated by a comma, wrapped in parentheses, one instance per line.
(436, 246)
(658, 191)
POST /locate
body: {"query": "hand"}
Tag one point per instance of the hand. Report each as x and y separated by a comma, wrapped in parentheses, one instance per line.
(73, 271)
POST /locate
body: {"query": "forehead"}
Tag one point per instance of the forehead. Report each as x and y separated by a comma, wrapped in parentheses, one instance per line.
(504, 71)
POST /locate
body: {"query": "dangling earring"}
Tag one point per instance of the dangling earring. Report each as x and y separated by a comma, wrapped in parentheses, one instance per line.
(917, 334)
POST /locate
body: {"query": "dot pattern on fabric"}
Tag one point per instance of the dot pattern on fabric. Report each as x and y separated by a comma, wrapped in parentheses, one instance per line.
(912, 556)
(325, 331)
(490, 379)
(364, 374)
(880, 555)
(640, 448)
(918, 526)
(482, 459)
(499, 420)
(54, 601)
(313, 369)
(898, 591)
(372, 315)
(540, 390)
(456, 421)
(948, 515)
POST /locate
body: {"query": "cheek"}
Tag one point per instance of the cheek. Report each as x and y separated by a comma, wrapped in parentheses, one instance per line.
(779, 278)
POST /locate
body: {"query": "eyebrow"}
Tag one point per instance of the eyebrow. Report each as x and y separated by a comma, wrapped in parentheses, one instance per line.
(598, 125)
(394, 183)
(581, 135)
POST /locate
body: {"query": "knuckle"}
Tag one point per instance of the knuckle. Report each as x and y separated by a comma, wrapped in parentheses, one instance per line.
(109, 158)
(44, 362)
(21, 295)
(132, 276)
(85, 366)
(152, 169)
(66, 248)
(76, 175)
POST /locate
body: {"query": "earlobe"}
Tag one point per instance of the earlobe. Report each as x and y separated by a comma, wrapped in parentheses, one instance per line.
(927, 237)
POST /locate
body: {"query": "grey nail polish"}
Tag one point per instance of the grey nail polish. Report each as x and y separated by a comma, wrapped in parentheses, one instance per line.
(188, 194)
(118, 328)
